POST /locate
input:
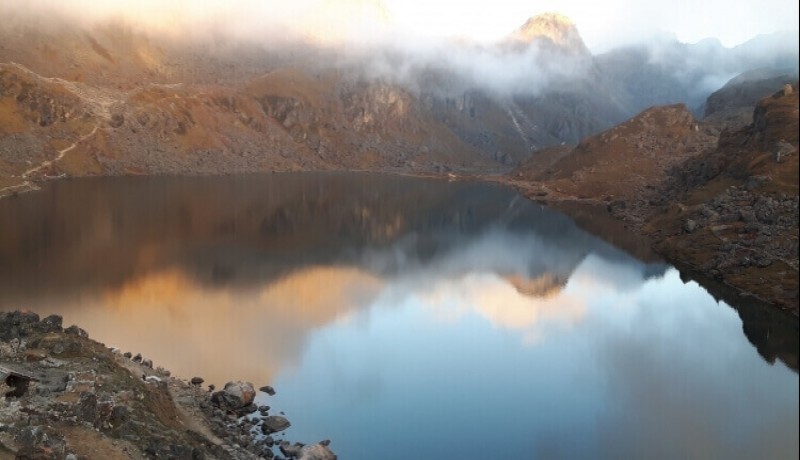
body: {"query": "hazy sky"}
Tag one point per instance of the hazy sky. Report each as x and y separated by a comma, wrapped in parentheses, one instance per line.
(602, 24)
(605, 23)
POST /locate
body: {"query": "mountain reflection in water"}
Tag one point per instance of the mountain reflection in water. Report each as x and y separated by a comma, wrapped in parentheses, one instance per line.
(294, 279)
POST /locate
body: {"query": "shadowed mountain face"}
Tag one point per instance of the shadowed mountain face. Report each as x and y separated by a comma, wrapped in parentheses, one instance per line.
(112, 99)
(732, 105)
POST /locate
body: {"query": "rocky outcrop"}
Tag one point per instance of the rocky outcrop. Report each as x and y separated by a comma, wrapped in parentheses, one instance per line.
(236, 397)
(724, 207)
(626, 163)
(744, 197)
(552, 31)
(83, 400)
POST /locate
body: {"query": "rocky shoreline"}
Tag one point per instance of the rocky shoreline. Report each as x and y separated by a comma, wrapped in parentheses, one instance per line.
(721, 260)
(68, 397)
(720, 201)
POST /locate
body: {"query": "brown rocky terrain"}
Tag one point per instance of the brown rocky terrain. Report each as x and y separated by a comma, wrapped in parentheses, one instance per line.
(66, 396)
(112, 98)
(725, 207)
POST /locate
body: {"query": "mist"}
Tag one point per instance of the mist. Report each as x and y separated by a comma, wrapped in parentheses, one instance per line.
(463, 45)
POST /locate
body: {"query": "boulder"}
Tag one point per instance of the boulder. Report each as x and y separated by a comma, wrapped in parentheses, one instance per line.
(235, 395)
(268, 390)
(17, 324)
(275, 423)
(291, 451)
(75, 330)
(316, 452)
(52, 324)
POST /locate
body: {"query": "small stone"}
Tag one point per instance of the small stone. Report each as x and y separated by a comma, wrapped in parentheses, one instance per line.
(764, 262)
(690, 226)
(291, 451)
(52, 323)
(197, 381)
(268, 390)
(747, 216)
(137, 358)
(75, 330)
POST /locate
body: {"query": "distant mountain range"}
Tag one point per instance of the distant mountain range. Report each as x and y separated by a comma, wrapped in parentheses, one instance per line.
(112, 99)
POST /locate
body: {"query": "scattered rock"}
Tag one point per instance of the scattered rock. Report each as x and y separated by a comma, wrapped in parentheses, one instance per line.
(268, 390)
(197, 381)
(274, 423)
(75, 330)
(52, 324)
(690, 226)
(290, 450)
(17, 324)
(91, 386)
(316, 452)
(747, 216)
(235, 395)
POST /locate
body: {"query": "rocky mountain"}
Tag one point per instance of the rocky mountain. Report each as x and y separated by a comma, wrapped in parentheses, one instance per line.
(732, 105)
(668, 72)
(551, 31)
(111, 99)
(738, 214)
(723, 205)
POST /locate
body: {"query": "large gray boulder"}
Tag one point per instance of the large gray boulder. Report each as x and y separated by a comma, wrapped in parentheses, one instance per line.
(235, 395)
(274, 423)
(316, 452)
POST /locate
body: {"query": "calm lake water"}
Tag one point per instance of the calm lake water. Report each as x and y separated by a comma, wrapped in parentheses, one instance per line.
(408, 318)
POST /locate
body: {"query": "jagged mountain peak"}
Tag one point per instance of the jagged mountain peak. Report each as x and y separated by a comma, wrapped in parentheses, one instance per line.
(554, 29)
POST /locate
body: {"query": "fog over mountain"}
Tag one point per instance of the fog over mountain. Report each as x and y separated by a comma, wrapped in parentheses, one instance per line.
(375, 37)
(321, 84)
